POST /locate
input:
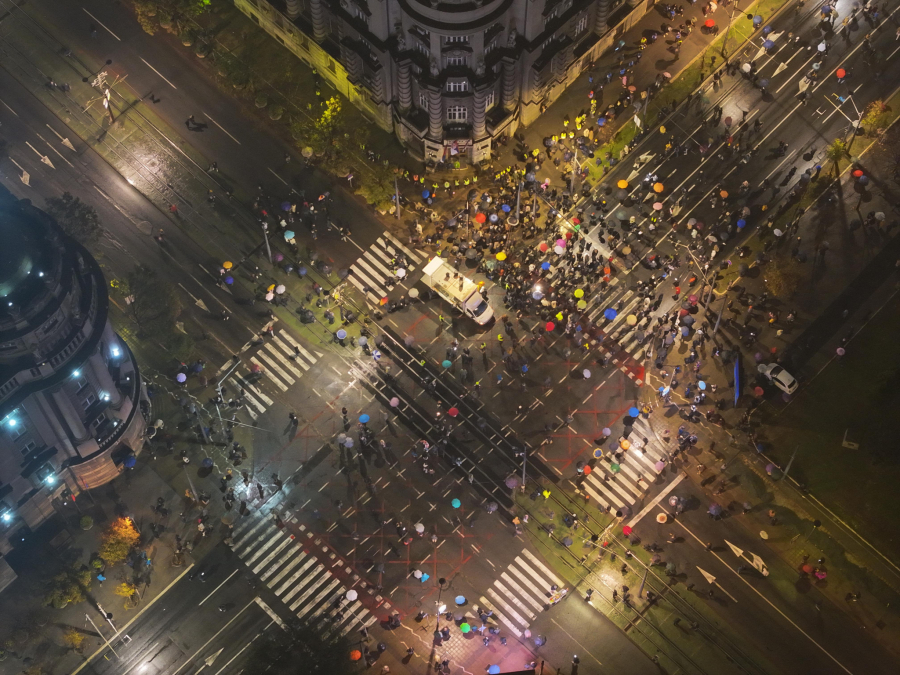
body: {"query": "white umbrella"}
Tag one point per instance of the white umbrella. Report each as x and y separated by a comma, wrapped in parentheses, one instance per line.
(419, 527)
(352, 595)
(280, 289)
(270, 296)
(401, 272)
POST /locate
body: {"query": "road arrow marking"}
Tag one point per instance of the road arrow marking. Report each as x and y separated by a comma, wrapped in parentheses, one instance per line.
(712, 580)
(197, 301)
(44, 158)
(739, 552)
(25, 177)
(65, 141)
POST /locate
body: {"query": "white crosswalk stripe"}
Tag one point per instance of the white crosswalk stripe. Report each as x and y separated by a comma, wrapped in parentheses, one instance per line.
(636, 470)
(281, 361)
(370, 272)
(305, 586)
(521, 593)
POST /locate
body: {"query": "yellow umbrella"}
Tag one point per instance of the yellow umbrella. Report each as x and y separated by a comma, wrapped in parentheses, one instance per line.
(582, 304)
(579, 293)
(662, 130)
(501, 256)
(559, 316)
(227, 264)
(622, 184)
(624, 444)
(271, 288)
(626, 250)
(658, 187)
(631, 319)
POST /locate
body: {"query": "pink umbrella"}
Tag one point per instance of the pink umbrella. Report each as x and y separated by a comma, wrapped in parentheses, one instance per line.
(821, 574)
(270, 296)
(561, 243)
(181, 377)
(841, 351)
(657, 206)
(693, 299)
(660, 465)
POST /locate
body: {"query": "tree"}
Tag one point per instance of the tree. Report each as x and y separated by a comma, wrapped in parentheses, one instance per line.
(876, 117)
(377, 186)
(118, 540)
(74, 639)
(279, 652)
(782, 277)
(155, 306)
(79, 220)
(69, 587)
(331, 136)
(125, 589)
(836, 151)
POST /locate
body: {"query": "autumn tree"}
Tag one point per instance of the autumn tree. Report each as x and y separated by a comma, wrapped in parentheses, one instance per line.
(377, 186)
(79, 220)
(332, 137)
(118, 540)
(876, 117)
(782, 277)
(74, 639)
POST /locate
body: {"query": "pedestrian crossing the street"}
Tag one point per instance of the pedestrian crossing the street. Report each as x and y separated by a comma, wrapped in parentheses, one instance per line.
(370, 272)
(299, 578)
(521, 592)
(637, 470)
(280, 361)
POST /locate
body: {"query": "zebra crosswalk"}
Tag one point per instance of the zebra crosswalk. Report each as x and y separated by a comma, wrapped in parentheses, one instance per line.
(280, 361)
(297, 576)
(370, 272)
(626, 481)
(521, 592)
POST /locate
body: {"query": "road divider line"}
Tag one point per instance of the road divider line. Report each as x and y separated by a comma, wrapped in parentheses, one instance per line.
(102, 24)
(209, 117)
(165, 79)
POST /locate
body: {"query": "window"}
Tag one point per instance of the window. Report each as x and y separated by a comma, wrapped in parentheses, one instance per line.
(422, 48)
(456, 39)
(457, 113)
(457, 61)
(488, 48)
(490, 100)
(455, 87)
(17, 431)
(581, 25)
(88, 401)
(358, 13)
(28, 447)
(423, 100)
(80, 384)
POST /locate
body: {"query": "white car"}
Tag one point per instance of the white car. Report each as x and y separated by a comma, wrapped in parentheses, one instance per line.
(779, 377)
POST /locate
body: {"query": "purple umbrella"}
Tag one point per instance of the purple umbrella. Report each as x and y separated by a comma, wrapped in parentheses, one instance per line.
(181, 377)
(660, 465)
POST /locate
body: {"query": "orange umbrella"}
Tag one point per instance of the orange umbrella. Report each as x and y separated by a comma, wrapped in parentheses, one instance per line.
(723, 194)
(355, 655)
(622, 184)
(658, 187)
(480, 218)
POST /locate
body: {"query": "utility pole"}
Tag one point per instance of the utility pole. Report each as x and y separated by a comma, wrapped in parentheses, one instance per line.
(721, 311)
(100, 633)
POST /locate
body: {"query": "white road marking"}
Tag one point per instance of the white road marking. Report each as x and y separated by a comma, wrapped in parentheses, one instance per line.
(158, 73)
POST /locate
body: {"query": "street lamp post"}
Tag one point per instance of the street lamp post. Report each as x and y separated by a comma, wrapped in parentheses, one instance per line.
(437, 606)
(265, 228)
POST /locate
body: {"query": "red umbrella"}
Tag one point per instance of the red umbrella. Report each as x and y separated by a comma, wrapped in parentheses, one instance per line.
(858, 173)
(626, 530)
(587, 470)
(841, 73)
(758, 391)
(480, 217)
(550, 326)
(807, 568)
(453, 412)
(544, 247)
(709, 23)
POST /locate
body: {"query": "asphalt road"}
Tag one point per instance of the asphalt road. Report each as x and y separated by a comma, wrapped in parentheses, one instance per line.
(185, 628)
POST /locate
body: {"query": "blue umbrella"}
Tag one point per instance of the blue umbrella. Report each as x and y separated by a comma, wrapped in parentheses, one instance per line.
(601, 121)
(633, 412)
(537, 295)
(460, 600)
(130, 461)
(545, 266)
(446, 364)
(768, 44)
(455, 503)
(767, 30)
(229, 280)
(757, 20)
(715, 510)
(506, 208)
(740, 223)
(341, 333)
(609, 313)
(763, 84)
(863, 180)
(207, 463)
(288, 235)
(702, 385)
(363, 418)
(285, 206)
(302, 271)
(493, 670)
(425, 194)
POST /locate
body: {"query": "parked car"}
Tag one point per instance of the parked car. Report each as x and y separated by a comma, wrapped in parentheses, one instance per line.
(779, 377)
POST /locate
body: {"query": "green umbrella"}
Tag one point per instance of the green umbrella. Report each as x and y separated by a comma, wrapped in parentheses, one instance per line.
(614, 467)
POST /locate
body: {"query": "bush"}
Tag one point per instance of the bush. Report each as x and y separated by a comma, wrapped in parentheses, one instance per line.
(276, 112)
(118, 541)
(261, 100)
(86, 522)
(74, 639)
(69, 587)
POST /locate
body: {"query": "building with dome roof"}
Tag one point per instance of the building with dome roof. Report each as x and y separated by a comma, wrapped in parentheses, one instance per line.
(448, 77)
(72, 404)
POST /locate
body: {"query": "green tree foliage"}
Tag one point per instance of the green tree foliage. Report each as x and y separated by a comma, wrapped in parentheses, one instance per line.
(173, 15)
(154, 304)
(69, 586)
(876, 118)
(331, 136)
(79, 220)
(377, 186)
(782, 276)
(837, 150)
(118, 540)
(283, 652)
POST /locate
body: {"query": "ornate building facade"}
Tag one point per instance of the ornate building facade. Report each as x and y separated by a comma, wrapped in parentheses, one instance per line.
(72, 404)
(448, 77)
